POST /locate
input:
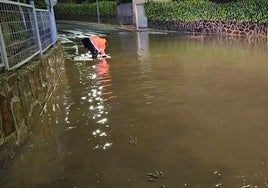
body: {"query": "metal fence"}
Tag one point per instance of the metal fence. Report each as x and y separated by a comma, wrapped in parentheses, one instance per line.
(24, 32)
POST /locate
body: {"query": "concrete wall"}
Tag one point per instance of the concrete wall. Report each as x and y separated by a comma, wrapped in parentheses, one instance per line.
(23, 93)
(140, 2)
(125, 13)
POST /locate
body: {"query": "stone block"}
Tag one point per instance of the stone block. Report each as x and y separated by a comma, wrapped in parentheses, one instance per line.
(2, 138)
(18, 112)
(7, 117)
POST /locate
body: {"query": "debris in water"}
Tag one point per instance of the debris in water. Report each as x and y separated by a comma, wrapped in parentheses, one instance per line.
(69, 128)
(218, 185)
(164, 186)
(102, 121)
(151, 175)
(150, 179)
(217, 173)
(107, 145)
(132, 140)
(154, 176)
(84, 57)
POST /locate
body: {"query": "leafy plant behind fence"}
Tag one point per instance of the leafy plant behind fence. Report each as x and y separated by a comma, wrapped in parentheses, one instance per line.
(195, 10)
(106, 8)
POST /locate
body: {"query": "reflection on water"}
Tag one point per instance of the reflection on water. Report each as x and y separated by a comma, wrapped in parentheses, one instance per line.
(142, 44)
(101, 94)
(166, 110)
(95, 81)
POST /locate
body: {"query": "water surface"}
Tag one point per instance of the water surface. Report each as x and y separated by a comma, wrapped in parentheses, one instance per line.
(166, 110)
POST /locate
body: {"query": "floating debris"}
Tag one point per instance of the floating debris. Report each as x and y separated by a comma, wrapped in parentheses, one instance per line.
(88, 57)
(150, 179)
(218, 185)
(102, 121)
(99, 56)
(83, 58)
(151, 175)
(217, 173)
(164, 186)
(159, 174)
(70, 128)
(132, 140)
(154, 176)
(106, 145)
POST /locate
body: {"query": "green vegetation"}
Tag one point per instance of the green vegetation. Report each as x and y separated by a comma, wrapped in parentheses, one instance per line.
(80, 1)
(195, 10)
(37, 3)
(106, 8)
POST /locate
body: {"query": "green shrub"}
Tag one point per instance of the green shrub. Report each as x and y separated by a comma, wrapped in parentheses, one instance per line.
(195, 10)
(106, 8)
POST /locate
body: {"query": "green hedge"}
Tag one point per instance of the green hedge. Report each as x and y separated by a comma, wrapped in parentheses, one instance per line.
(106, 8)
(195, 10)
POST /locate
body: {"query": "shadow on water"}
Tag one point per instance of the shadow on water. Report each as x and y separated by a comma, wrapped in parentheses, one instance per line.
(166, 110)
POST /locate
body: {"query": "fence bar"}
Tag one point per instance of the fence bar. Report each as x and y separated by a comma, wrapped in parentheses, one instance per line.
(52, 22)
(53, 26)
(15, 3)
(3, 50)
(36, 28)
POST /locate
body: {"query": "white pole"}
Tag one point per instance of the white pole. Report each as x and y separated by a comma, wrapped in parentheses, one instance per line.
(36, 28)
(136, 16)
(52, 23)
(98, 12)
(3, 50)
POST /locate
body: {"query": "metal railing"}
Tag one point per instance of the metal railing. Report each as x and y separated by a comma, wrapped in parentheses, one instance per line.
(24, 32)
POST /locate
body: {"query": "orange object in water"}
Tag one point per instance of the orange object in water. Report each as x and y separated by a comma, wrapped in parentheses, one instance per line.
(99, 43)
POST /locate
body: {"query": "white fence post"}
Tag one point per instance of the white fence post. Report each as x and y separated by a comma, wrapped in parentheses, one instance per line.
(37, 29)
(3, 50)
(52, 23)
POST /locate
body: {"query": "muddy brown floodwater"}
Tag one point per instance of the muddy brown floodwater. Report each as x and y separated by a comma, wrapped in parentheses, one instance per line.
(166, 110)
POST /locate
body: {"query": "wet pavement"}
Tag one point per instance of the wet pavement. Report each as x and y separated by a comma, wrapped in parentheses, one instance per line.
(97, 28)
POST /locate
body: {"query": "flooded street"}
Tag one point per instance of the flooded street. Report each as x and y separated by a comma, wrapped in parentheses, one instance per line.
(166, 110)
